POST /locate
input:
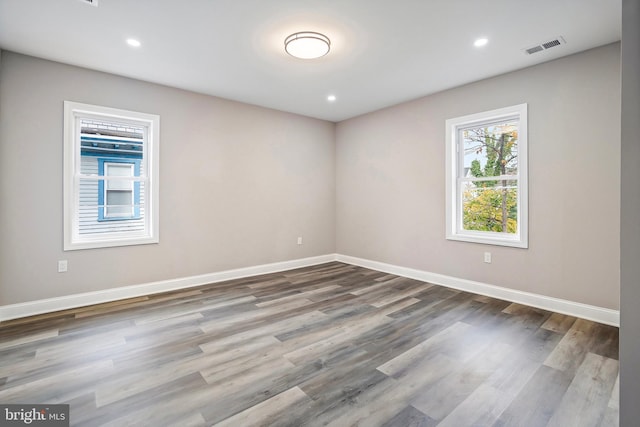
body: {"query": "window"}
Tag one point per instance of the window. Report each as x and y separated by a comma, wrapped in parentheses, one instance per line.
(118, 199)
(110, 177)
(487, 177)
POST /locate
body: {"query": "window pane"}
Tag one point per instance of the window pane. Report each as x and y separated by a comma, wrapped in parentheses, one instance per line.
(490, 207)
(119, 170)
(109, 138)
(119, 203)
(490, 149)
(119, 184)
(88, 209)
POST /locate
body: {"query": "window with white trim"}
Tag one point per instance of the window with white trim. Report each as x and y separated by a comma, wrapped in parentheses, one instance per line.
(110, 177)
(486, 163)
(118, 200)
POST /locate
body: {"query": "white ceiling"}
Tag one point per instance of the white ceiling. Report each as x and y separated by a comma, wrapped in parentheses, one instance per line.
(383, 52)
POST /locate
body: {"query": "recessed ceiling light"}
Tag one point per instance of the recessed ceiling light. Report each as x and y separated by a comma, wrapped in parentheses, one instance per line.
(307, 45)
(480, 42)
(331, 98)
(133, 42)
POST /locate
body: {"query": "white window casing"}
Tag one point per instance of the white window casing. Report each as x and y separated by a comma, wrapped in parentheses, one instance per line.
(87, 223)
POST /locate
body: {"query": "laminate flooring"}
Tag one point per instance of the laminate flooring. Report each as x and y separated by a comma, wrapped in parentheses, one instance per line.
(332, 344)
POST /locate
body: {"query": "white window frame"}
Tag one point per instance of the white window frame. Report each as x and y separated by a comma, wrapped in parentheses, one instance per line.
(73, 113)
(455, 169)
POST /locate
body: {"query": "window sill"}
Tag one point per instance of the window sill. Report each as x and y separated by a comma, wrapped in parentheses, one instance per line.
(498, 240)
(107, 243)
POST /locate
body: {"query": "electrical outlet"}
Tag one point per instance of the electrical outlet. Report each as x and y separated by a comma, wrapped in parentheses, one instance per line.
(487, 257)
(299, 240)
(62, 266)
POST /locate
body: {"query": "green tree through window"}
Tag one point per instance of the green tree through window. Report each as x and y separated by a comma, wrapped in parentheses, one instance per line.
(487, 204)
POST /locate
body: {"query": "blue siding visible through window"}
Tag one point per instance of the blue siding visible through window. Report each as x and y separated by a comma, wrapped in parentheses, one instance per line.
(101, 188)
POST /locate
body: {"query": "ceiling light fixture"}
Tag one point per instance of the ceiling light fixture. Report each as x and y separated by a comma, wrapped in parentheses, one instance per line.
(480, 42)
(331, 98)
(133, 42)
(307, 45)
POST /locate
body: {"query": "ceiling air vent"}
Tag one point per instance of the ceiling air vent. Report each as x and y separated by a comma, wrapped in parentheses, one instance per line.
(534, 49)
(544, 46)
(91, 2)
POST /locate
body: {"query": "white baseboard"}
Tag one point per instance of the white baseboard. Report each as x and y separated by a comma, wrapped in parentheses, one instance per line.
(585, 311)
(49, 305)
(590, 312)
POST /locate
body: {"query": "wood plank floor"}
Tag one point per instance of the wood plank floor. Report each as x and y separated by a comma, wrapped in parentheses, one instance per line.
(332, 344)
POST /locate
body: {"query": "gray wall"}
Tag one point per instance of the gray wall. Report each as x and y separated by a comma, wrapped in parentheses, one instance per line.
(390, 174)
(630, 218)
(238, 183)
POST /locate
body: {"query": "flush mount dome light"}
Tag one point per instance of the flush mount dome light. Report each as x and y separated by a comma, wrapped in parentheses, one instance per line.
(307, 45)
(134, 42)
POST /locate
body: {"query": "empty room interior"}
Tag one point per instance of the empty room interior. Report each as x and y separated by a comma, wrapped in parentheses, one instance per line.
(305, 213)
